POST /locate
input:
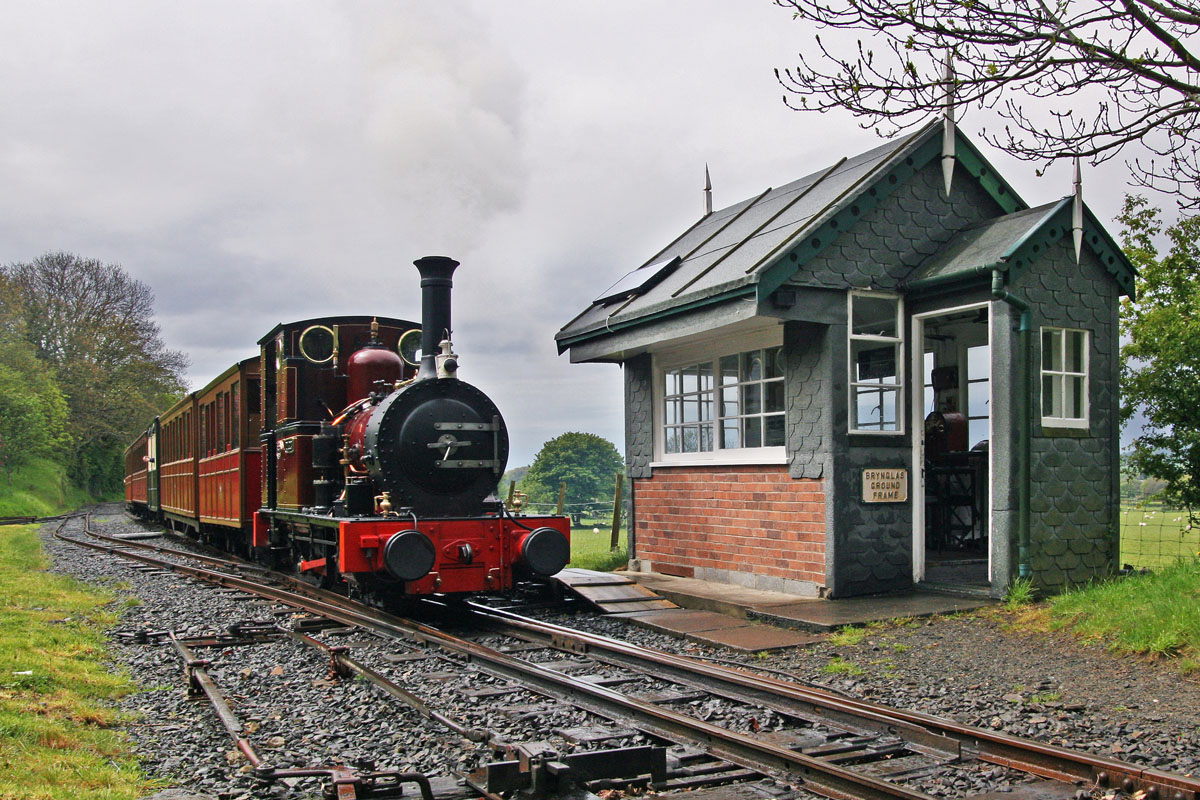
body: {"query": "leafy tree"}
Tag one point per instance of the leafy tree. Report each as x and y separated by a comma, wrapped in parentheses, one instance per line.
(587, 463)
(1161, 370)
(94, 327)
(1071, 78)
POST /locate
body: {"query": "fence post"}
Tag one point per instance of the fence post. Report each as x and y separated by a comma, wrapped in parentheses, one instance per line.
(616, 523)
(562, 496)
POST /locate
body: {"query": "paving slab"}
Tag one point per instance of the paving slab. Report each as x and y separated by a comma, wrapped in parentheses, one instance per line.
(685, 620)
(827, 615)
(755, 638)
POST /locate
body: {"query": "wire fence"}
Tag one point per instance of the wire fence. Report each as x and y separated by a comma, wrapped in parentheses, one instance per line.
(1154, 535)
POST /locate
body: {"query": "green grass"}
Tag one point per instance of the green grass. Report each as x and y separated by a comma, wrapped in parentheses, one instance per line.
(1153, 614)
(57, 727)
(590, 550)
(1019, 594)
(839, 666)
(39, 489)
(1153, 536)
(847, 635)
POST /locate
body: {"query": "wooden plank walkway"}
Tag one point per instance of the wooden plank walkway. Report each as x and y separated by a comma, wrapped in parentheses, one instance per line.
(610, 592)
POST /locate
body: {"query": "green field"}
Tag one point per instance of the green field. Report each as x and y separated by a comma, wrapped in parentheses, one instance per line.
(1153, 536)
(590, 550)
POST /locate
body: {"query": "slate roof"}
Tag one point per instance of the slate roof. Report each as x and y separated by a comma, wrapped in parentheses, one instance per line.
(723, 251)
(741, 250)
(990, 242)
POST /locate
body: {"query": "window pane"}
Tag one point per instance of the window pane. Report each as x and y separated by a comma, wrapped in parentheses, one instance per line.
(1052, 350)
(752, 366)
(979, 362)
(774, 395)
(1075, 351)
(705, 371)
(729, 402)
(691, 439)
(977, 431)
(672, 415)
(671, 441)
(1074, 404)
(730, 439)
(874, 316)
(875, 409)
(752, 399)
(706, 408)
(774, 362)
(1051, 401)
(977, 399)
(753, 430)
(691, 409)
(706, 438)
(671, 382)
(773, 435)
(691, 380)
(873, 362)
(729, 369)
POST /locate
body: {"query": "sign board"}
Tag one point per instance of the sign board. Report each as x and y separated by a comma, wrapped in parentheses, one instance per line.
(885, 485)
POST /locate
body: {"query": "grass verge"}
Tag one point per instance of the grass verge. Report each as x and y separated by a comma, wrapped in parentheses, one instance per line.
(57, 733)
(39, 489)
(1154, 614)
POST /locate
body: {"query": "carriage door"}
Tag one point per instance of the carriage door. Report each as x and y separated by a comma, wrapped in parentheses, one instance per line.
(952, 429)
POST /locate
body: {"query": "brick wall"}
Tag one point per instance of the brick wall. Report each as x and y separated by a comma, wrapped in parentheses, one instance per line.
(752, 525)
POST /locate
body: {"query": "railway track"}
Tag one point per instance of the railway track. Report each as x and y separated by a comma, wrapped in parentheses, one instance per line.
(819, 741)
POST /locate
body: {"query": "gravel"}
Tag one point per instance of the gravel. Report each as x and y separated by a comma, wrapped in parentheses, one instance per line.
(975, 669)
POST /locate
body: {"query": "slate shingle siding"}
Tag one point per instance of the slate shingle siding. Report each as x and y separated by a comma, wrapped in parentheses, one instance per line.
(810, 396)
(639, 417)
(900, 232)
(1075, 516)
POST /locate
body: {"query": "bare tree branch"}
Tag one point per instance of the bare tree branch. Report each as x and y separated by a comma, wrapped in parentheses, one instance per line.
(1037, 65)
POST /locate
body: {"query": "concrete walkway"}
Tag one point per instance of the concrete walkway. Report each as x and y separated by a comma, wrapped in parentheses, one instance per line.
(752, 620)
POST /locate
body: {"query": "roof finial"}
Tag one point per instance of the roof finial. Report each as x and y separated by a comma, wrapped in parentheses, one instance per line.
(707, 191)
(948, 131)
(1077, 212)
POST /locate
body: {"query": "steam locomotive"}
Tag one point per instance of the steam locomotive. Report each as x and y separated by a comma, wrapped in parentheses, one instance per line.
(343, 454)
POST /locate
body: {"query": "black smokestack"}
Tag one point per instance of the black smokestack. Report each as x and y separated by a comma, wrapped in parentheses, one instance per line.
(435, 308)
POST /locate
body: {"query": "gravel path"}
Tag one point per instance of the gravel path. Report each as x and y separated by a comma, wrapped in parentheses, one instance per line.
(974, 669)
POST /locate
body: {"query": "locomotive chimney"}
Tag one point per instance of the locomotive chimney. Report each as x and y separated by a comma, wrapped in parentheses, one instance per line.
(435, 309)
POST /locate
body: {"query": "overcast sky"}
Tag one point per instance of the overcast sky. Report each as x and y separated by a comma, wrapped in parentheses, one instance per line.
(261, 162)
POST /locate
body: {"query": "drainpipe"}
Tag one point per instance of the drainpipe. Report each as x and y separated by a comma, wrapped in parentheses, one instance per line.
(1024, 417)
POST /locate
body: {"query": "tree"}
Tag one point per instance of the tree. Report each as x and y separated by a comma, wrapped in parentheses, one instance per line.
(1161, 370)
(1069, 79)
(585, 462)
(93, 326)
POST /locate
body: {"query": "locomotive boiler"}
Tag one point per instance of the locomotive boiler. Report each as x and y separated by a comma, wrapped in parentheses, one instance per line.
(379, 467)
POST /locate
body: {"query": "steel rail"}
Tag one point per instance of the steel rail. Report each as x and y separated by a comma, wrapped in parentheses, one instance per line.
(812, 773)
(925, 731)
(1026, 755)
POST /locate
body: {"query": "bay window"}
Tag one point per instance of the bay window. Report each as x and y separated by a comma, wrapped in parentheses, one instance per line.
(730, 402)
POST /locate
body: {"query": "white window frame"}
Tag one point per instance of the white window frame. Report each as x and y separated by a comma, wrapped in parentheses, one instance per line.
(711, 351)
(1060, 376)
(851, 384)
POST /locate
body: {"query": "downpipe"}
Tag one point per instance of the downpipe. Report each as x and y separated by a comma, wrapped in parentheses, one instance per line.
(1024, 416)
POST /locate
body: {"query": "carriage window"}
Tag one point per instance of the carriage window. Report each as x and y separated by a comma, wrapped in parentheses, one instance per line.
(875, 347)
(235, 417)
(1064, 378)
